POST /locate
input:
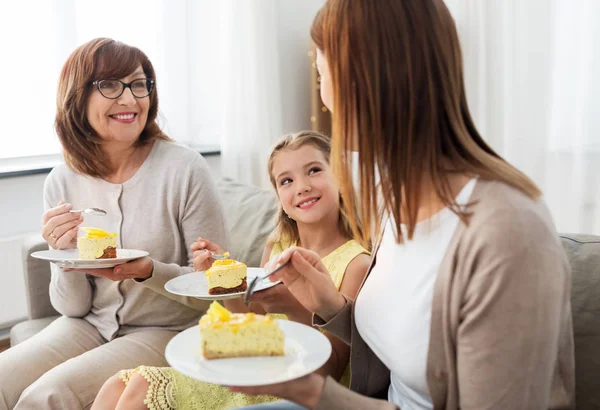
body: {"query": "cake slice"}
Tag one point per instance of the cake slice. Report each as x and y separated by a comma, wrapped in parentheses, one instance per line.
(97, 244)
(224, 334)
(226, 276)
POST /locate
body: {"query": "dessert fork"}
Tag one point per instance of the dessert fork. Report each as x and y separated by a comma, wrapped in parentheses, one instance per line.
(218, 257)
(91, 211)
(257, 279)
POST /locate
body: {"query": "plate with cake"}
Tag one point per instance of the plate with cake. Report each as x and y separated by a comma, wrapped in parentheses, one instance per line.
(97, 249)
(225, 279)
(234, 349)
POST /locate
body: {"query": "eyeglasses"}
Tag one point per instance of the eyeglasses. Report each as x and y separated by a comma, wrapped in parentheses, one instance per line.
(140, 88)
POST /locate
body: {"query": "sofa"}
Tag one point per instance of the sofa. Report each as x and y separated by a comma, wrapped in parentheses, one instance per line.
(251, 212)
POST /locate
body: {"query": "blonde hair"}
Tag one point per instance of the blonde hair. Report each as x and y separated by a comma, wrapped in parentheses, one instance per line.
(400, 101)
(286, 229)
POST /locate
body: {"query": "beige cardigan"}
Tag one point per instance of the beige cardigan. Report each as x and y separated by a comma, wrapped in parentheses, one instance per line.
(501, 333)
(162, 209)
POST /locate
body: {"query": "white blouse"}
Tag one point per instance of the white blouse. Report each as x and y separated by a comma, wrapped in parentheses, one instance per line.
(393, 309)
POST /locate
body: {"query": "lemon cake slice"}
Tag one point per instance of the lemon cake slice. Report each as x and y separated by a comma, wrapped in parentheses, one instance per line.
(224, 334)
(226, 276)
(97, 244)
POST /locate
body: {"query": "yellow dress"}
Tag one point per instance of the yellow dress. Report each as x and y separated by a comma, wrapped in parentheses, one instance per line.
(170, 390)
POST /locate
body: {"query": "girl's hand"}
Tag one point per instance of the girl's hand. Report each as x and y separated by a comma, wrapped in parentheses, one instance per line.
(305, 391)
(308, 281)
(278, 299)
(202, 258)
(140, 269)
(59, 226)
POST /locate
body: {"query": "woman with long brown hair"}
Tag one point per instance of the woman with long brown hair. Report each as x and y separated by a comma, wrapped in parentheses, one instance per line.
(159, 197)
(466, 304)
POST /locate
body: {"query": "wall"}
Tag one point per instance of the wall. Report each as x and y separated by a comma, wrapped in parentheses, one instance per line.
(294, 63)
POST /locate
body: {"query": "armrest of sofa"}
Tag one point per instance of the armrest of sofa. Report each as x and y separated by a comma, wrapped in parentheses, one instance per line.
(37, 279)
(583, 252)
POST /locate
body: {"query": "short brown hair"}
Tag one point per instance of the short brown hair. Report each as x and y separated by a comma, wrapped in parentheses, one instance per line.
(286, 230)
(97, 59)
(399, 99)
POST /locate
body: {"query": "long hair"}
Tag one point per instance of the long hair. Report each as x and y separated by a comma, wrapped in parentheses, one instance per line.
(286, 229)
(399, 100)
(101, 58)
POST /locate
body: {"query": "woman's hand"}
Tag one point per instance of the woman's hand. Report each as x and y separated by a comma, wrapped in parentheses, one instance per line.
(140, 269)
(308, 281)
(279, 299)
(59, 226)
(202, 258)
(305, 391)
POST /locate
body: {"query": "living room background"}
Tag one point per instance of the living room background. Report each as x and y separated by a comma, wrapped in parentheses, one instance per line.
(237, 74)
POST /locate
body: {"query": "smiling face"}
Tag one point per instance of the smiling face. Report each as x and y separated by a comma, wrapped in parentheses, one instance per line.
(305, 185)
(121, 119)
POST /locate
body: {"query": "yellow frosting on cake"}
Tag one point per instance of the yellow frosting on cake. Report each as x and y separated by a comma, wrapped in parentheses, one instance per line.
(216, 312)
(226, 334)
(97, 233)
(223, 262)
(93, 244)
(227, 273)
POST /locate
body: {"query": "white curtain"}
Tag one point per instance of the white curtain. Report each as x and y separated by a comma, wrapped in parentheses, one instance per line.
(531, 70)
(252, 106)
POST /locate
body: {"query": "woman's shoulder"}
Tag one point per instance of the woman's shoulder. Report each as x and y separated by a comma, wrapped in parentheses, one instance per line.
(177, 157)
(354, 246)
(175, 148)
(61, 175)
(506, 220)
(494, 201)
(176, 153)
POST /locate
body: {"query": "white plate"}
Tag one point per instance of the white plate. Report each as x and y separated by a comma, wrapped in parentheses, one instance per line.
(69, 258)
(306, 350)
(195, 285)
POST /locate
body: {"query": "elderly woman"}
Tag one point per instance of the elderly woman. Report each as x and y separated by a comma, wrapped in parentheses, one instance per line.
(159, 197)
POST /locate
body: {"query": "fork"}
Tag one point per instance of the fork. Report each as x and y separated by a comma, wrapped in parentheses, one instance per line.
(218, 257)
(257, 279)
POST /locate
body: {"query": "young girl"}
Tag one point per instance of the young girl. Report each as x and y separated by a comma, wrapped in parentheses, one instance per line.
(312, 215)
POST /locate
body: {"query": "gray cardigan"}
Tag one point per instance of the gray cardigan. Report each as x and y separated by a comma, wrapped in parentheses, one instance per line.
(501, 332)
(162, 209)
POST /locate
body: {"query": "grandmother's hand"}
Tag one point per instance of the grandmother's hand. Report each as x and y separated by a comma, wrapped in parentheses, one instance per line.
(202, 258)
(140, 269)
(59, 226)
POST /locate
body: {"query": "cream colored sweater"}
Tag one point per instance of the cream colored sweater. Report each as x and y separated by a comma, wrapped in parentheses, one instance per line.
(162, 209)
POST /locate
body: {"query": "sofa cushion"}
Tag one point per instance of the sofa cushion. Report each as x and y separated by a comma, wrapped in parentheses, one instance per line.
(583, 252)
(250, 214)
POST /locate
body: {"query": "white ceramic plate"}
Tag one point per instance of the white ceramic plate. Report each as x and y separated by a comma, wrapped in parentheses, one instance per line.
(69, 258)
(195, 285)
(306, 350)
